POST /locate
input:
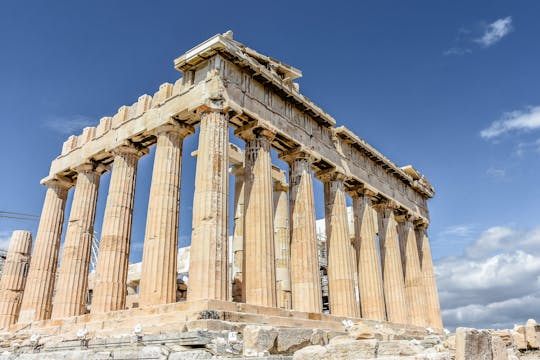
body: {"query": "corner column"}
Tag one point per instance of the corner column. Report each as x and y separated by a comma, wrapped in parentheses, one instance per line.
(282, 245)
(37, 299)
(304, 263)
(433, 308)
(208, 269)
(14, 277)
(159, 272)
(110, 281)
(259, 271)
(72, 283)
(238, 235)
(392, 268)
(341, 266)
(370, 284)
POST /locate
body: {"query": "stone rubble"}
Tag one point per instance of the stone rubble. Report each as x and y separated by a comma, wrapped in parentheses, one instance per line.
(466, 344)
(359, 341)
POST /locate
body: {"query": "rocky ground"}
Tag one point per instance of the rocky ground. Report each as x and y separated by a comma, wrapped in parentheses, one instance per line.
(357, 341)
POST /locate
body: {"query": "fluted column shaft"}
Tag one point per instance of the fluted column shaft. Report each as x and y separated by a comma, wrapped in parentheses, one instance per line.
(72, 282)
(282, 245)
(433, 308)
(238, 235)
(414, 287)
(37, 299)
(159, 272)
(14, 277)
(370, 284)
(110, 279)
(394, 285)
(259, 259)
(304, 266)
(208, 270)
(341, 266)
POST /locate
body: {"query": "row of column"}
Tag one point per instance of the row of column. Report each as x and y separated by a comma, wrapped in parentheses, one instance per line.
(385, 291)
(394, 289)
(158, 282)
(390, 254)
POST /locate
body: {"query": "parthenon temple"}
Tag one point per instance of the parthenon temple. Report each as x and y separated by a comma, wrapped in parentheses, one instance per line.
(262, 260)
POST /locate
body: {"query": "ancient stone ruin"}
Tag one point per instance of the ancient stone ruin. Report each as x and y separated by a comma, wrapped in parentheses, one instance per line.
(381, 279)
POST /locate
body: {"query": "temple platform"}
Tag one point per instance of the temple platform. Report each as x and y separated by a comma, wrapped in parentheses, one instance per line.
(203, 314)
(214, 327)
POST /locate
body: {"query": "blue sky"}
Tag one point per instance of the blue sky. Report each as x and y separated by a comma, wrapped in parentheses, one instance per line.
(449, 86)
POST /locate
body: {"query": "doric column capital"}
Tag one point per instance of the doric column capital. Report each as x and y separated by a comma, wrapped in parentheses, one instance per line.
(297, 153)
(421, 224)
(182, 129)
(237, 170)
(281, 186)
(362, 190)
(406, 218)
(58, 182)
(129, 148)
(207, 109)
(330, 175)
(254, 130)
(91, 166)
(386, 206)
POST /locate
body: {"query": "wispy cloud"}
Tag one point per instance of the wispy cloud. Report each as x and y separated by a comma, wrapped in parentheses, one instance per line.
(526, 147)
(487, 35)
(495, 31)
(457, 51)
(496, 173)
(463, 230)
(460, 47)
(68, 124)
(518, 120)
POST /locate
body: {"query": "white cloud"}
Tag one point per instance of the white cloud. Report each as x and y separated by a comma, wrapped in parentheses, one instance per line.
(496, 283)
(489, 241)
(466, 40)
(457, 51)
(519, 120)
(68, 125)
(496, 315)
(495, 31)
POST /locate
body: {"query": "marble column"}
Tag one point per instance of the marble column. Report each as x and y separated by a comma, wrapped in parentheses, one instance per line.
(14, 277)
(110, 281)
(394, 285)
(341, 264)
(37, 299)
(370, 284)
(259, 259)
(208, 269)
(282, 245)
(72, 282)
(304, 263)
(238, 234)
(414, 287)
(159, 273)
(433, 309)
